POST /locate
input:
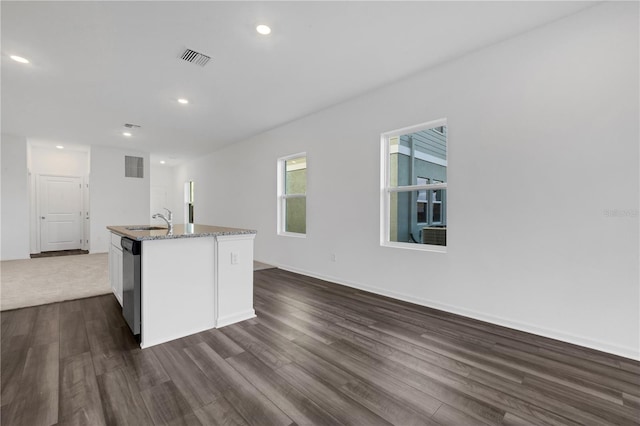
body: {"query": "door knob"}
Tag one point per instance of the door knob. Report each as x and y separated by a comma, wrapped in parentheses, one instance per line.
(41, 217)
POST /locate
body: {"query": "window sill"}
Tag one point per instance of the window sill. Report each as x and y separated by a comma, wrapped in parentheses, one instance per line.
(414, 246)
(291, 234)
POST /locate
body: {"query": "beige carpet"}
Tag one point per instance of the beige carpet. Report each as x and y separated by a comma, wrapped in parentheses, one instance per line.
(31, 282)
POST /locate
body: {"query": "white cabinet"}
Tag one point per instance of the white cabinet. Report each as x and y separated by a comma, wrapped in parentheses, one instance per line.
(115, 266)
(195, 284)
(234, 278)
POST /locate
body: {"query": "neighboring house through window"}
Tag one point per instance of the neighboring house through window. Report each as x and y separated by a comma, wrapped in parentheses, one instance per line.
(414, 186)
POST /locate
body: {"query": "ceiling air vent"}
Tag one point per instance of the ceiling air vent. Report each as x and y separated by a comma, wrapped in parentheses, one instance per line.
(195, 57)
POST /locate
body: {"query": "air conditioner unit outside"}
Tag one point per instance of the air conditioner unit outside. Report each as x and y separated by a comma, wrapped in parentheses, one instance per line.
(434, 236)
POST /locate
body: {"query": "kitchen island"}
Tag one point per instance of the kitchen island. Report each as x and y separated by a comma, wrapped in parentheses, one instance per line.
(194, 278)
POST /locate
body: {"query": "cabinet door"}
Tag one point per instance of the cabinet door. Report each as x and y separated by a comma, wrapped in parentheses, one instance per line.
(115, 271)
(118, 275)
(112, 269)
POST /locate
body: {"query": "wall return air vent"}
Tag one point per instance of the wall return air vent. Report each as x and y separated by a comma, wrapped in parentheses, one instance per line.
(195, 57)
(133, 167)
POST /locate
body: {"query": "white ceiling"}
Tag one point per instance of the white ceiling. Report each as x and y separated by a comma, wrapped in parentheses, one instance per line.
(97, 65)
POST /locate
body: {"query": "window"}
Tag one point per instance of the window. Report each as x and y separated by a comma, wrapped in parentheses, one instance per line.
(292, 195)
(414, 187)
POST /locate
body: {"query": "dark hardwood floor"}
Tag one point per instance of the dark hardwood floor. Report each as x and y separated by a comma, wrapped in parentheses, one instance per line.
(317, 354)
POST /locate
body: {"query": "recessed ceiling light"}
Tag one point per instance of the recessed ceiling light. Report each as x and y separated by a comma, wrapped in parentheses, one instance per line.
(263, 29)
(19, 59)
(59, 146)
(127, 134)
(162, 161)
(183, 101)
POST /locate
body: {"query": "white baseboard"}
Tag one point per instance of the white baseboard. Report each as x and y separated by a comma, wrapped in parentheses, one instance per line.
(232, 319)
(228, 320)
(147, 343)
(623, 351)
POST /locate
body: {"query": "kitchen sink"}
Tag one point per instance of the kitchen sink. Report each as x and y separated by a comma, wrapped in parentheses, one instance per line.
(146, 228)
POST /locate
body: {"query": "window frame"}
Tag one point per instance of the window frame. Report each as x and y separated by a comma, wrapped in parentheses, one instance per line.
(425, 201)
(282, 195)
(386, 189)
(432, 197)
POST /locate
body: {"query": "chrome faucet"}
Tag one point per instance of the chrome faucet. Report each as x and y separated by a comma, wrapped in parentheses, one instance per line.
(168, 219)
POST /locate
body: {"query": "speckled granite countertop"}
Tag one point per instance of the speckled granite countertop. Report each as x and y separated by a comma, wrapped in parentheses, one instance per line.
(179, 231)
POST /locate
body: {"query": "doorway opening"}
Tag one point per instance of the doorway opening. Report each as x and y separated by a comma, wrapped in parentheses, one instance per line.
(59, 200)
(60, 212)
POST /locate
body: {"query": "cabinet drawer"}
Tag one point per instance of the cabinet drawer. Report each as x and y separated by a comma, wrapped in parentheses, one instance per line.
(115, 240)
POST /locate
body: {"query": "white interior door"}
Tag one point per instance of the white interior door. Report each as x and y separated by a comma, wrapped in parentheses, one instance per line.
(60, 202)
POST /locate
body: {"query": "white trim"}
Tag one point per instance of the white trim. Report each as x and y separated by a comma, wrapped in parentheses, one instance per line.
(386, 190)
(34, 233)
(405, 150)
(86, 214)
(232, 319)
(384, 193)
(216, 282)
(279, 190)
(416, 128)
(147, 343)
(599, 345)
(416, 246)
(406, 188)
(291, 234)
(292, 156)
(282, 196)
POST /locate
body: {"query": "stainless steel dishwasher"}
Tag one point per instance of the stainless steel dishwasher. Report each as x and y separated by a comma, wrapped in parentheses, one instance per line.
(131, 291)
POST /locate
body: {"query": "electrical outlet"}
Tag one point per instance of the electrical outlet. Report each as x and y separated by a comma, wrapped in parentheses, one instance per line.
(234, 258)
(334, 258)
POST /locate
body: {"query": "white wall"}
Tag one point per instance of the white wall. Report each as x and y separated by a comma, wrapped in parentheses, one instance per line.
(543, 138)
(58, 162)
(15, 198)
(163, 192)
(115, 199)
(205, 204)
